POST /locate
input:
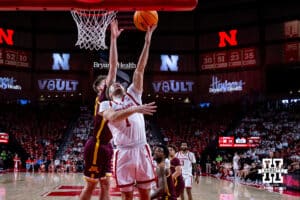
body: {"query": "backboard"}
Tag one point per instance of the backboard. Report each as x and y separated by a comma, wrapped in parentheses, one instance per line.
(116, 5)
(92, 17)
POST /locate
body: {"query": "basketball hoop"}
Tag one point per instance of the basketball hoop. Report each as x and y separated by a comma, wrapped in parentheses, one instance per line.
(92, 25)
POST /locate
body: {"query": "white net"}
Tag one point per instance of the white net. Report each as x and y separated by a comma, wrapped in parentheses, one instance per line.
(92, 25)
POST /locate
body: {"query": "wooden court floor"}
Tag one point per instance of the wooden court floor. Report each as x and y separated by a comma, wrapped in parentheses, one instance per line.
(54, 186)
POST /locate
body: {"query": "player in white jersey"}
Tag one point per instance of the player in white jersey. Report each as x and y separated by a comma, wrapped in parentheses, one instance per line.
(236, 166)
(125, 116)
(188, 163)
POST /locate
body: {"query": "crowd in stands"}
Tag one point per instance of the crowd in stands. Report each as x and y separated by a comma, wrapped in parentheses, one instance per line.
(198, 127)
(278, 127)
(40, 132)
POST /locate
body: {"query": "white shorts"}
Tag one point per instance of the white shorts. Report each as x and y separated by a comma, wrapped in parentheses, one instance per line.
(188, 180)
(134, 166)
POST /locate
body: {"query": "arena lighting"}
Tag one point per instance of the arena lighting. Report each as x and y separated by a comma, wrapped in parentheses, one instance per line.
(204, 105)
(23, 101)
(287, 101)
(284, 101)
(186, 100)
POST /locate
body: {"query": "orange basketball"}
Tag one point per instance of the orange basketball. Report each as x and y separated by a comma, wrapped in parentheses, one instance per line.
(143, 19)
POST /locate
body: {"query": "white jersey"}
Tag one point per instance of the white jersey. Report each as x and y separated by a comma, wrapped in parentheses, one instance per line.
(131, 131)
(236, 159)
(186, 161)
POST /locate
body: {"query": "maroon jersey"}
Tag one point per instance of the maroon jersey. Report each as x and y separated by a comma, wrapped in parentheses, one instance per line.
(171, 189)
(170, 193)
(179, 182)
(101, 130)
(98, 150)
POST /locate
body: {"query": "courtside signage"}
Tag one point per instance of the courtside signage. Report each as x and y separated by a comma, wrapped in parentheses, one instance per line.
(272, 170)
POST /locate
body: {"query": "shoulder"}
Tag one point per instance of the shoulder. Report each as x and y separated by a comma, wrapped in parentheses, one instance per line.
(191, 154)
(132, 90)
(104, 105)
(175, 161)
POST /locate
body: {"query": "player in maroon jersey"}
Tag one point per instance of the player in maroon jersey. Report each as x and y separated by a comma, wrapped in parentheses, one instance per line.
(176, 171)
(165, 186)
(98, 150)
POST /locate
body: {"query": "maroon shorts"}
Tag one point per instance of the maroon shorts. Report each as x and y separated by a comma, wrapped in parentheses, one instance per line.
(97, 164)
(179, 186)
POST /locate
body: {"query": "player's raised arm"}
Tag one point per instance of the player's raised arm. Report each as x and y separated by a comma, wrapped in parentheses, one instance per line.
(138, 76)
(113, 52)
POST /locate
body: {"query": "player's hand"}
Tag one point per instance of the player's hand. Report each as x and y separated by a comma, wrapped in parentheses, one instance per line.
(147, 109)
(114, 28)
(149, 32)
(197, 179)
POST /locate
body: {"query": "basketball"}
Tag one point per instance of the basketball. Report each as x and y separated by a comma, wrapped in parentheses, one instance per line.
(143, 19)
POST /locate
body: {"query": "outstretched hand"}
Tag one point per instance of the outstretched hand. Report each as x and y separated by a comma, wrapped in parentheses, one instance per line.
(149, 32)
(147, 109)
(114, 28)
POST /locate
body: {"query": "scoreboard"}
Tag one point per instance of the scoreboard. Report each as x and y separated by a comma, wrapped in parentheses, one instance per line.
(236, 142)
(17, 58)
(245, 57)
(4, 138)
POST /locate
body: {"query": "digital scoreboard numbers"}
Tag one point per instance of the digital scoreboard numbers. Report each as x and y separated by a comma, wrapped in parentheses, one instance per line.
(17, 58)
(234, 58)
(249, 57)
(221, 60)
(208, 61)
(245, 57)
(236, 142)
(226, 141)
